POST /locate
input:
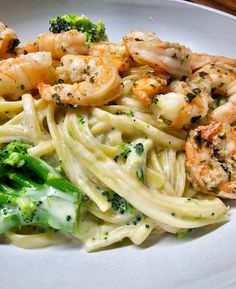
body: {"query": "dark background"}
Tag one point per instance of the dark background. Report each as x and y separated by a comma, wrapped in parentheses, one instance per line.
(224, 5)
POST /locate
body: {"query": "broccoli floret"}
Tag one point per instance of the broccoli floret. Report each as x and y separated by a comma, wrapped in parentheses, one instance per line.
(94, 32)
(12, 153)
(33, 193)
(139, 149)
(59, 25)
(123, 151)
(118, 203)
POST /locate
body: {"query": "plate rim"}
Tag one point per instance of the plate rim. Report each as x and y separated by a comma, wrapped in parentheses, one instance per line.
(201, 6)
(49, 283)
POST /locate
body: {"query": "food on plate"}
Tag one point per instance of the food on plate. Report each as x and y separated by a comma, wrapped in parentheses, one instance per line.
(84, 80)
(204, 94)
(8, 41)
(34, 193)
(210, 159)
(60, 44)
(23, 73)
(94, 32)
(147, 48)
(103, 141)
(198, 60)
(115, 52)
(147, 87)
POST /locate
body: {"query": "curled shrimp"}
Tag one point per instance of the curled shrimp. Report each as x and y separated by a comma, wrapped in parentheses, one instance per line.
(211, 159)
(115, 52)
(60, 44)
(147, 48)
(8, 41)
(146, 82)
(89, 81)
(224, 83)
(198, 60)
(28, 47)
(192, 100)
(23, 73)
(147, 87)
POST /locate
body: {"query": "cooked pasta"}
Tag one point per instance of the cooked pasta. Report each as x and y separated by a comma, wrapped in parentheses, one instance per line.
(126, 158)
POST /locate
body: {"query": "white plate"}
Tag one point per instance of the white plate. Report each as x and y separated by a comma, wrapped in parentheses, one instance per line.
(202, 260)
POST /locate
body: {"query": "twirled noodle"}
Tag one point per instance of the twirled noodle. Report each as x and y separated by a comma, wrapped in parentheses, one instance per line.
(86, 150)
(31, 119)
(128, 163)
(43, 148)
(7, 106)
(39, 105)
(12, 132)
(34, 241)
(71, 165)
(96, 236)
(178, 212)
(127, 124)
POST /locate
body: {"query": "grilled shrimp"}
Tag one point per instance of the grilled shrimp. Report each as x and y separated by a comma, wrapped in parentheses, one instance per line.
(147, 48)
(88, 81)
(190, 101)
(211, 159)
(28, 47)
(115, 52)
(23, 73)
(147, 87)
(60, 44)
(225, 83)
(8, 40)
(198, 60)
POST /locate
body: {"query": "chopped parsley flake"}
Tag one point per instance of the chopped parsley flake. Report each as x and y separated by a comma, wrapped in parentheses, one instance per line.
(165, 120)
(140, 175)
(81, 119)
(183, 233)
(139, 149)
(155, 99)
(190, 96)
(129, 113)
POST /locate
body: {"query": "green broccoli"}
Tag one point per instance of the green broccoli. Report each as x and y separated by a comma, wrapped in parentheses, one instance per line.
(183, 233)
(94, 32)
(123, 151)
(118, 203)
(139, 149)
(33, 193)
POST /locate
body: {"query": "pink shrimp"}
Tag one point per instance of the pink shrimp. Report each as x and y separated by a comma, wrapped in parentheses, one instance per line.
(8, 41)
(147, 48)
(87, 81)
(211, 159)
(23, 73)
(60, 44)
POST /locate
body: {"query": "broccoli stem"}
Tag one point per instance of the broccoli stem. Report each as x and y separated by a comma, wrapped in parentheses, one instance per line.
(8, 195)
(33, 193)
(41, 206)
(22, 180)
(6, 198)
(49, 175)
(9, 215)
(8, 190)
